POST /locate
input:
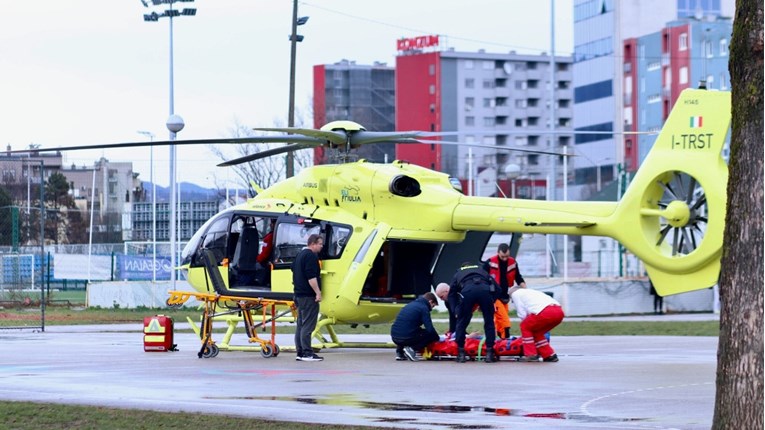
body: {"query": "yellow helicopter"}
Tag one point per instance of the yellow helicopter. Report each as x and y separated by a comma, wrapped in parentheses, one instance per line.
(392, 231)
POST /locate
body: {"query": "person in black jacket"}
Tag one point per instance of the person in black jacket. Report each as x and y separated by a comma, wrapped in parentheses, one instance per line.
(306, 281)
(413, 329)
(472, 287)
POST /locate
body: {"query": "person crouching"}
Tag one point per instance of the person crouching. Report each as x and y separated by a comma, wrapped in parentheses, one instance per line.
(539, 313)
(413, 329)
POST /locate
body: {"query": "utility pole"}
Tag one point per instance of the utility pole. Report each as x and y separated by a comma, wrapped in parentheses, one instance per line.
(294, 39)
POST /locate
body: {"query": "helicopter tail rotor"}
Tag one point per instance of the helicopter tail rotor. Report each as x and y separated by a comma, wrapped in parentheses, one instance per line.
(673, 213)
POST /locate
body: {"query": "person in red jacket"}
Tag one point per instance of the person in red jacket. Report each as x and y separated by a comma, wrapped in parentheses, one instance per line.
(504, 269)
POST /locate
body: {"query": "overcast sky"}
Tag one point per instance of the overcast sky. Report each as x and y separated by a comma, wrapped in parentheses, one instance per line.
(88, 72)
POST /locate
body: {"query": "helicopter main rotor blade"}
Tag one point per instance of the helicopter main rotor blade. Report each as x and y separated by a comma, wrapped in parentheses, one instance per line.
(501, 148)
(265, 154)
(334, 137)
(305, 140)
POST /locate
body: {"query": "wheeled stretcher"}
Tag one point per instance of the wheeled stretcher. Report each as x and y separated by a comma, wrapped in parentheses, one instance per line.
(213, 307)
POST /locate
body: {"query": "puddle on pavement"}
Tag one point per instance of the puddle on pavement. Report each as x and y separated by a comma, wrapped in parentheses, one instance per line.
(347, 400)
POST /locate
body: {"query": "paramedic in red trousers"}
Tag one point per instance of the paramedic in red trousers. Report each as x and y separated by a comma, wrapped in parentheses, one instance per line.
(413, 329)
(504, 269)
(470, 287)
(539, 313)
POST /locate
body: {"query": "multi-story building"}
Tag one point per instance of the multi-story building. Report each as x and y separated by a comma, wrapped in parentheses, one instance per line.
(500, 100)
(601, 97)
(191, 216)
(686, 53)
(360, 93)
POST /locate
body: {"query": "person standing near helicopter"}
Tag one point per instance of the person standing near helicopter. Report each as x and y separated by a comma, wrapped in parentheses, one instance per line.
(306, 280)
(504, 269)
(470, 287)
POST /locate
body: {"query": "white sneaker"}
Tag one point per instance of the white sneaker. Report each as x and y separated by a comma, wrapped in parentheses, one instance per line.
(410, 354)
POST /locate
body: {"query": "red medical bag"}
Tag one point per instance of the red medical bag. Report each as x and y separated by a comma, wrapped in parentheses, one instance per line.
(158, 333)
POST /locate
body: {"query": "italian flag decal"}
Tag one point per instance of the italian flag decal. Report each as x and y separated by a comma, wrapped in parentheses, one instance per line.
(696, 121)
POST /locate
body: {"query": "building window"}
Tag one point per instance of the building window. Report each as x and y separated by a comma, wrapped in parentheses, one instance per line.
(470, 121)
(723, 82)
(520, 85)
(488, 83)
(432, 89)
(469, 64)
(585, 138)
(469, 83)
(683, 42)
(683, 75)
(432, 69)
(488, 121)
(488, 102)
(469, 103)
(487, 65)
(594, 91)
(723, 46)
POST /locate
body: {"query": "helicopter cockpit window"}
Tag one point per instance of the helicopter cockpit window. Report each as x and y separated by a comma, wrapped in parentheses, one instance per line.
(205, 235)
(337, 238)
(291, 238)
(216, 237)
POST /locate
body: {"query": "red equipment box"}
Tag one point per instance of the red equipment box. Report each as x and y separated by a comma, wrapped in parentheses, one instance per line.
(158, 333)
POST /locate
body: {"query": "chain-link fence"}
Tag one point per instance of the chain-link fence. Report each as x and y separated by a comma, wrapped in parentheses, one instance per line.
(23, 220)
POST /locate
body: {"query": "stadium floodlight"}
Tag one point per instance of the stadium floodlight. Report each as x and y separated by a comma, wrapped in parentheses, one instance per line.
(172, 123)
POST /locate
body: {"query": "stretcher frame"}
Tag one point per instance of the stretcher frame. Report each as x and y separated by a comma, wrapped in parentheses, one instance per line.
(232, 307)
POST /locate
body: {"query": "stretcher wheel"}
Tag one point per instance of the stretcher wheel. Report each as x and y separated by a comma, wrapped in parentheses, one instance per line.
(276, 350)
(266, 351)
(210, 351)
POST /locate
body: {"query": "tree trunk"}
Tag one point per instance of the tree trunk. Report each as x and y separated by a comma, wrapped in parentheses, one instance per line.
(739, 400)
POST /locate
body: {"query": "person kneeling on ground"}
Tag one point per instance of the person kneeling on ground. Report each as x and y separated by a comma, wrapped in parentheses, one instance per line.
(539, 313)
(413, 329)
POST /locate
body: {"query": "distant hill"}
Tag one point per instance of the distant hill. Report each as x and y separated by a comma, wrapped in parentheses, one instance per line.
(189, 192)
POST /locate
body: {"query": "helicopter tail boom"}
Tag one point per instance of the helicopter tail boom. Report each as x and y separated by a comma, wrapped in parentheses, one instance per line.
(672, 214)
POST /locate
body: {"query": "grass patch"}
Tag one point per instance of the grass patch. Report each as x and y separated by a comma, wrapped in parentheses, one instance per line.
(60, 315)
(35, 416)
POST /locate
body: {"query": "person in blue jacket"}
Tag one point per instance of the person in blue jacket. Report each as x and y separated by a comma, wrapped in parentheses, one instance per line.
(413, 329)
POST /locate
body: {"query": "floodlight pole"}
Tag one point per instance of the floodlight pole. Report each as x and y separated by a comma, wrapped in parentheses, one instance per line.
(174, 125)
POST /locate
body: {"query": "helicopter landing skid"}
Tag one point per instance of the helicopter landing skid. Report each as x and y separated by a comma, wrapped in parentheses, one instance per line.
(335, 342)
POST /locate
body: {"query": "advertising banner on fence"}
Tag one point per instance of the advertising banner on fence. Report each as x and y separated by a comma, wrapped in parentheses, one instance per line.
(136, 267)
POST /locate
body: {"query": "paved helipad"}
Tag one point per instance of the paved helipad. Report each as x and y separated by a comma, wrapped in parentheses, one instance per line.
(600, 382)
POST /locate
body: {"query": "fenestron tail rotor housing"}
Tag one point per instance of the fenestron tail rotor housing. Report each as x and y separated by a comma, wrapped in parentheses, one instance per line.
(675, 214)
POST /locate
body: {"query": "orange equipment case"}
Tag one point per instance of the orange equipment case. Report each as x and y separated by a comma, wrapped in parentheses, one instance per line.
(158, 333)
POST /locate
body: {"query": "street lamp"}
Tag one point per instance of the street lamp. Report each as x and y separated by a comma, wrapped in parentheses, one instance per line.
(151, 136)
(174, 122)
(294, 39)
(512, 171)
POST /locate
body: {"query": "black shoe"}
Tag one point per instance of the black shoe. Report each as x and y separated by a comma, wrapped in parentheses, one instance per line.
(461, 355)
(312, 357)
(400, 355)
(410, 354)
(490, 356)
(551, 359)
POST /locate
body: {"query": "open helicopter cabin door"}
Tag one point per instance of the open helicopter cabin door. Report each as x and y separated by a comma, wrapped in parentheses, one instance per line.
(454, 254)
(366, 273)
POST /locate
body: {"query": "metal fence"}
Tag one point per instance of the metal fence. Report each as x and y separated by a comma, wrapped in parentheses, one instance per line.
(22, 232)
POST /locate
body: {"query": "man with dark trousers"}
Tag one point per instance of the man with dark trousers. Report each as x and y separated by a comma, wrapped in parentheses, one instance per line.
(471, 287)
(306, 280)
(504, 269)
(413, 329)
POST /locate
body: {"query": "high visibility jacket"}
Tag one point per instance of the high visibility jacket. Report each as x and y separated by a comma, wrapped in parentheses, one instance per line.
(512, 270)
